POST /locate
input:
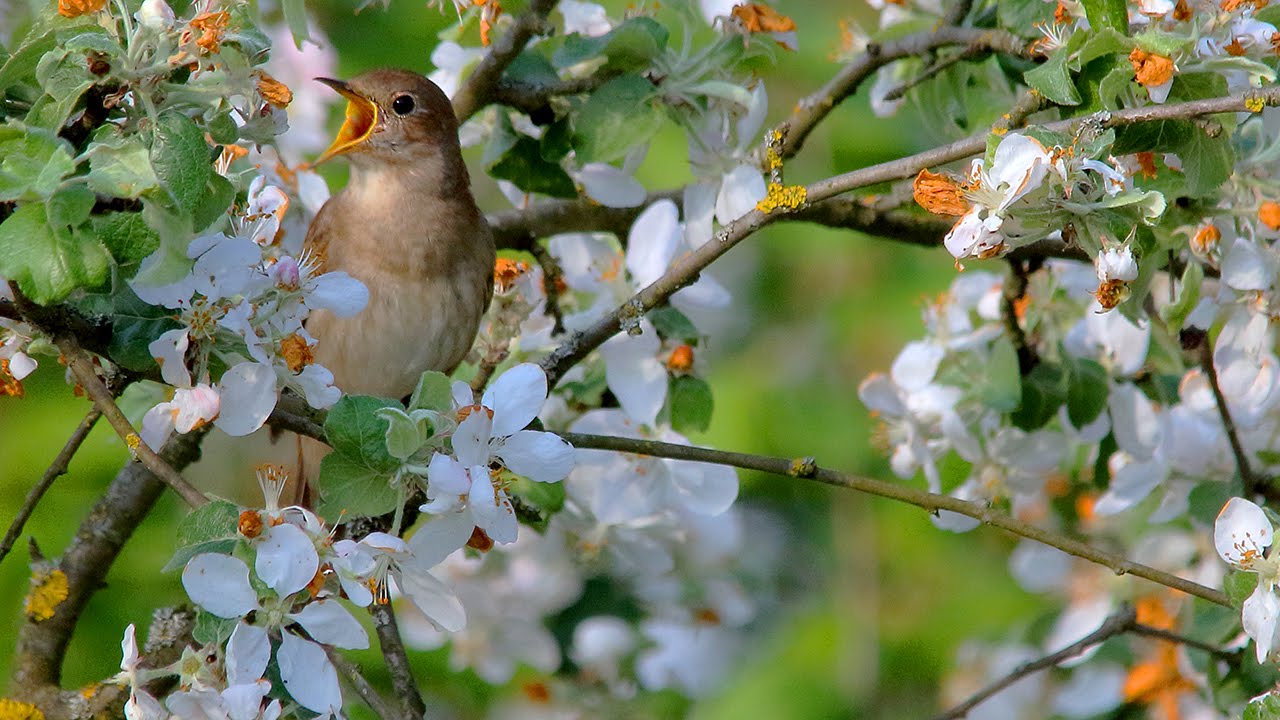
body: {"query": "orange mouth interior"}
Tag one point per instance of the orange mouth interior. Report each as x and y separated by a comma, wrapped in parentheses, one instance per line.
(362, 117)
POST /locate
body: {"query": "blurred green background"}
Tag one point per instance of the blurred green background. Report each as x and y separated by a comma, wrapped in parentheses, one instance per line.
(890, 598)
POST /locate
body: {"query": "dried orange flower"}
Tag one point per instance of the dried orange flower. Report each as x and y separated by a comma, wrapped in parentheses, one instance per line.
(212, 26)
(939, 194)
(9, 385)
(296, 352)
(536, 692)
(506, 271)
(1269, 214)
(762, 18)
(1233, 5)
(1146, 164)
(488, 17)
(76, 8)
(1061, 14)
(681, 359)
(1182, 11)
(1150, 69)
(276, 93)
(1206, 239)
(250, 524)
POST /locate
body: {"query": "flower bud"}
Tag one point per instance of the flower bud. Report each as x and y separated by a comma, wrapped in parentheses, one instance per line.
(155, 15)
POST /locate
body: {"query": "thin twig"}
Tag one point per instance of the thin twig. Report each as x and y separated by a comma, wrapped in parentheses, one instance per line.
(932, 71)
(1015, 288)
(57, 468)
(685, 270)
(1232, 657)
(361, 685)
(806, 468)
(1252, 483)
(479, 89)
(1117, 624)
(552, 276)
(397, 659)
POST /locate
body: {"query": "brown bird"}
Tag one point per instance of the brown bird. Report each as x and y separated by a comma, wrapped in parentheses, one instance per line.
(407, 226)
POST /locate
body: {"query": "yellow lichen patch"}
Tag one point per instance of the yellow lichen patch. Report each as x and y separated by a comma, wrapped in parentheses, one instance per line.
(276, 93)
(762, 18)
(296, 352)
(939, 194)
(1269, 214)
(133, 441)
(9, 385)
(786, 197)
(76, 8)
(1255, 104)
(1150, 69)
(15, 710)
(48, 590)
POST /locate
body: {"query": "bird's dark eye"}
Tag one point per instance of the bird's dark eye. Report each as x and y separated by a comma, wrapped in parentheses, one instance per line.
(403, 105)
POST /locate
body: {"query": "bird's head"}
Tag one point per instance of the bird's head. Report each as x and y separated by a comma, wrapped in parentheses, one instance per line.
(393, 117)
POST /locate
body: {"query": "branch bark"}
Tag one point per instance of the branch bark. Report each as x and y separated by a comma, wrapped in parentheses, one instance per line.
(397, 659)
(480, 88)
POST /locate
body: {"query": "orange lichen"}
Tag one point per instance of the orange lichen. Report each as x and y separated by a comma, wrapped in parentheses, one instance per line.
(939, 194)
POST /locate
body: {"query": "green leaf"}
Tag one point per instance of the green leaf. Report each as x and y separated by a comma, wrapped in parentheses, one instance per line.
(1053, 80)
(210, 528)
(691, 404)
(184, 554)
(1175, 314)
(1086, 391)
(22, 63)
(354, 429)
(223, 129)
(1044, 390)
(674, 325)
(1106, 41)
(218, 195)
(1000, 385)
(70, 206)
(64, 77)
(211, 629)
(406, 432)
(532, 68)
(434, 392)
(1207, 162)
(134, 324)
(1266, 707)
(180, 158)
(350, 488)
(556, 141)
(619, 115)
(126, 235)
(295, 16)
(547, 497)
(629, 46)
(1163, 43)
(49, 262)
(121, 167)
(169, 263)
(33, 162)
(1239, 585)
(1107, 14)
(1206, 499)
(523, 165)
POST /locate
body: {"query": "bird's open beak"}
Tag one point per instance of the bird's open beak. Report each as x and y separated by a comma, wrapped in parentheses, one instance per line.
(362, 116)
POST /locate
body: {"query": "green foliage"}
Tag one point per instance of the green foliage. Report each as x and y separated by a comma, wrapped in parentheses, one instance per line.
(434, 392)
(49, 261)
(1087, 391)
(672, 324)
(631, 45)
(181, 160)
(519, 158)
(33, 162)
(546, 497)
(1044, 390)
(998, 386)
(1266, 707)
(355, 479)
(1053, 80)
(212, 528)
(691, 404)
(1112, 14)
(621, 114)
(1239, 585)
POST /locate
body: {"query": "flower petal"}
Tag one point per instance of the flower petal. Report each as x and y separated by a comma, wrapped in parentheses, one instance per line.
(539, 456)
(219, 584)
(248, 393)
(308, 675)
(652, 242)
(287, 559)
(1242, 532)
(516, 397)
(328, 622)
(248, 652)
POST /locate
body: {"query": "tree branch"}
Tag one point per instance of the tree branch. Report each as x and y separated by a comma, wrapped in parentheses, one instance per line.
(684, 271)
(361, 685)
(1231, 657)
(1119, 623)
(397, 659)
(1253, 484)
(806, 468)
(56, 469)
(531, 98)
(42, 645)
(480, 88)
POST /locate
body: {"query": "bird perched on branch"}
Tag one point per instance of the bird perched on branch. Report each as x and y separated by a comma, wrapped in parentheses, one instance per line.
(407, 226)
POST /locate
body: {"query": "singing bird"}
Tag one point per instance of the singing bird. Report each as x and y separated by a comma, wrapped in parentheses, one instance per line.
(407, 226)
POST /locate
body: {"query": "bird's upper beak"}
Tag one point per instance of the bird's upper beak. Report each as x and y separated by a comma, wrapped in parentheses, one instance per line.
(362, 116)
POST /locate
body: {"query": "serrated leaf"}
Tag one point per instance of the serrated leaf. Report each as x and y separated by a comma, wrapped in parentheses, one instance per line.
(223, 129)
(1266, 707)
(673, 325)
(210, 629)
(1087, 391)
(1000, 385)
(134, 324)
(1106, 41)
(350, 488)
(70, 206)
(691, 404)
(48, 262)
(1107, 14)
(1207, 162)
(22, 63)
(121, 168)
(632, 44)
(433, 392)
(184, 554)
(216, 520)
(64, 77)
(354, 429)
(619, 115)
(126, 235)
(218, 195)
(1053, 80)
(33, 162)
(180, 159)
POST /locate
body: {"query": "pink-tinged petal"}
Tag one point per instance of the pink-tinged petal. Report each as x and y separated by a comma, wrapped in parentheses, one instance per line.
(652, 242)
(917, 364)
(21, 365)
(741, 189)
(702, 488)
(312, 190)
(248, 652)
(516, 397)
(170, 352)
(287, 559)
(1242, 533)
(338, 293)
(248, 393)
(1258, 616)
(492, 510)
(219, 584)
(141, 705)
(634, 373)
(308, 675)
(699, 211)
(195, 407)
(157, 425)
(438, 537)
(386, 542)
(539, 456)
(972, 235)
(328, 622)
(610, 186)
(471, 439)
(435, 599)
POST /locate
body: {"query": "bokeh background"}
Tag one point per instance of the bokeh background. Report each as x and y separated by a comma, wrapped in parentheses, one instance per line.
(878, 601)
